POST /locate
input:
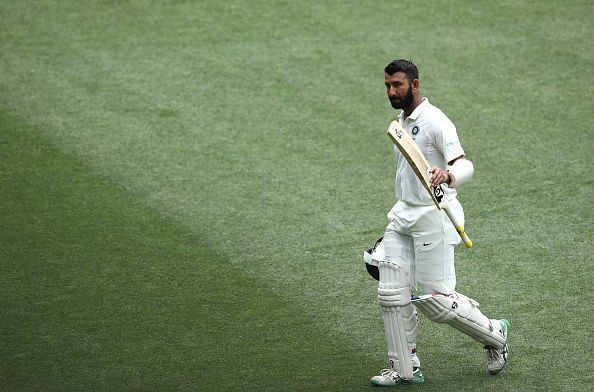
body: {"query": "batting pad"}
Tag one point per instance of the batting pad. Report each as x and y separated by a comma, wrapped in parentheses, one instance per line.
(463, 314)
(400, 321)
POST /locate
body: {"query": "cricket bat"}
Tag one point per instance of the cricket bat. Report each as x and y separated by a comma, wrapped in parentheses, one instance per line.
(420, 166)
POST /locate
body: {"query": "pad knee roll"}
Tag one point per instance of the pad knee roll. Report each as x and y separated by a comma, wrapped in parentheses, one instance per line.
(393, 289)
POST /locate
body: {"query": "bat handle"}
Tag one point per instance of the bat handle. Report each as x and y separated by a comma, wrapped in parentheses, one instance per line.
(467, 241)
(459, 228)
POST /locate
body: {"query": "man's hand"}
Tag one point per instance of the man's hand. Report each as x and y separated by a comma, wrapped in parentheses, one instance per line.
(439, 176)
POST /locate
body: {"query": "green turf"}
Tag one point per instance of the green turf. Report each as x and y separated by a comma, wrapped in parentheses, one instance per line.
(186, 189)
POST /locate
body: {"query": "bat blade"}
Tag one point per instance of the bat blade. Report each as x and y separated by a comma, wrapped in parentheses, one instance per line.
(415, 158)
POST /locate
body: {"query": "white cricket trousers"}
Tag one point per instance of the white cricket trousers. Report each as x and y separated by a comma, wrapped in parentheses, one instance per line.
(421, 240)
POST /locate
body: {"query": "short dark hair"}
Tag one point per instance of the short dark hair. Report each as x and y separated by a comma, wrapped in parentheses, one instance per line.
(407, 67)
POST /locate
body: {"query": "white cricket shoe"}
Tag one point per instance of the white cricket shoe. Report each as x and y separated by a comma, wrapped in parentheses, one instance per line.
(390, 378)
(496, 358)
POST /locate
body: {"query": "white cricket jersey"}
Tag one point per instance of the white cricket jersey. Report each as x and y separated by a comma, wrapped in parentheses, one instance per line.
(437, 138)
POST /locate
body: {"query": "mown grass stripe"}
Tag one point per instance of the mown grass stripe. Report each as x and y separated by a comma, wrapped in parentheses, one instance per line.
(100, 292)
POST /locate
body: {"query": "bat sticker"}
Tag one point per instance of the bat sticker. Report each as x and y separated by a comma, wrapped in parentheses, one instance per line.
(438, 192)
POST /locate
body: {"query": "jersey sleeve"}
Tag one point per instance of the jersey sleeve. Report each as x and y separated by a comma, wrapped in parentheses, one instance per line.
(447, 141)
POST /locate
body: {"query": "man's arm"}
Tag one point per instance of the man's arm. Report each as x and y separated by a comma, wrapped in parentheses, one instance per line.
(460, 171)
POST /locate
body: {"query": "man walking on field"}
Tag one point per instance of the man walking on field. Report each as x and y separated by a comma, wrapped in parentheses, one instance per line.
(418, 244)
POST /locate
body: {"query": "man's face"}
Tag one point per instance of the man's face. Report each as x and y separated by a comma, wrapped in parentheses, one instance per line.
(399, 90)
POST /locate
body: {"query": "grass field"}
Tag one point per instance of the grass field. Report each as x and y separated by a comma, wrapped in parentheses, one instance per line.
(186, 189)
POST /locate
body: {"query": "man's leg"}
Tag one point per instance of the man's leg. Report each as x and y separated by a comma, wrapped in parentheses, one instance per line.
(400, 319)
(434, 250)
(463, 314)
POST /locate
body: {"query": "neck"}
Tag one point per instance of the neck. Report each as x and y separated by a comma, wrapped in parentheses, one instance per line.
(409, 109)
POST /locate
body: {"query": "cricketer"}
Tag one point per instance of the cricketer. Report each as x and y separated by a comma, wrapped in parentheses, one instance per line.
(417, 250)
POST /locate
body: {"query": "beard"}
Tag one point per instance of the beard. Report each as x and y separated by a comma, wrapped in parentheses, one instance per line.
(398, 103)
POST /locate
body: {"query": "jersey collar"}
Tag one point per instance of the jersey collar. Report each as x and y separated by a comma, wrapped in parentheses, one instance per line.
(418, 110)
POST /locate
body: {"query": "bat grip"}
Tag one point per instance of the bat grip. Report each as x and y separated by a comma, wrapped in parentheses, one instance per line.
(467, 241)
(459, 228)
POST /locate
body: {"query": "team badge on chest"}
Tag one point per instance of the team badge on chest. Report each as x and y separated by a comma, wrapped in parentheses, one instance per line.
(415, 132)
